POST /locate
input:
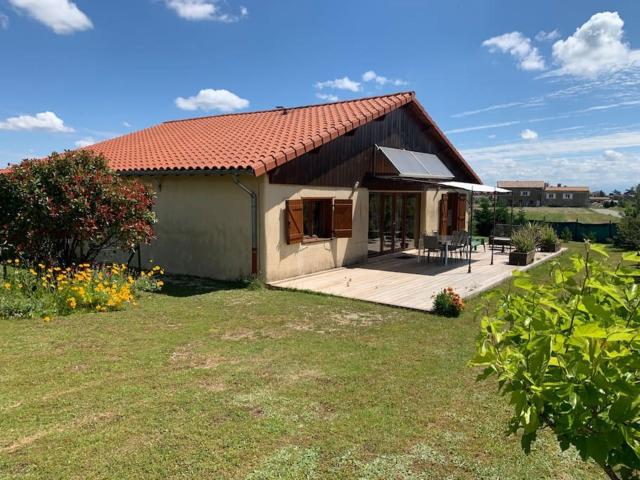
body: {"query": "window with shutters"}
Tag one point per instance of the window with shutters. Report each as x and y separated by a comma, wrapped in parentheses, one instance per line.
(318, 218)
(314, 219)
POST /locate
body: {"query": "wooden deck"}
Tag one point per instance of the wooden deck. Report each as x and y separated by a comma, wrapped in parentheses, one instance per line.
(401, 280)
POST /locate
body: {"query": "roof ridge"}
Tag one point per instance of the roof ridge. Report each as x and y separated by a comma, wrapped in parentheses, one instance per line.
(360, 99)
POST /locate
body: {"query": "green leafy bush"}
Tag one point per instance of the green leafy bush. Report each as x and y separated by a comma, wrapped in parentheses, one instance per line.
(70, 207)
(629, 227)
(567, 353)
(448, 303)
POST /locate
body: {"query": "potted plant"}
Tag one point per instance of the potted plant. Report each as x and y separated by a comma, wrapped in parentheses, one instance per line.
(524, 240)
(548, 239)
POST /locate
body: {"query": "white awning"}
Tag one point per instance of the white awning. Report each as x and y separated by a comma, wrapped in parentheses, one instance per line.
(474, 187)
(417, 165)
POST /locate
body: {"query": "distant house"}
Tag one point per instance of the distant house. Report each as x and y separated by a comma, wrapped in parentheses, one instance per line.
(564, 196)
(286, 192)
(537, 193)
(525, 193)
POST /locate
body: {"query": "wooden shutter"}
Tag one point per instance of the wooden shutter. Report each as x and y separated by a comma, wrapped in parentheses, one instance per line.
(444, 213)
(295, 223)
(342, 218)
(462, 212)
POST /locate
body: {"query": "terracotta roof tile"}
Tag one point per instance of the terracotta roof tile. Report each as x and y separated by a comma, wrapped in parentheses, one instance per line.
(256, 141)
(565, 188)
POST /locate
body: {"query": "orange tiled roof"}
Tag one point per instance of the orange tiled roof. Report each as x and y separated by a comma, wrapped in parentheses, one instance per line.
(565, 188)
(257, 141)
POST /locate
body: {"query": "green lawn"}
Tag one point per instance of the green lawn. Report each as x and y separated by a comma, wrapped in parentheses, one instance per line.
(569, 214)
(223, 382)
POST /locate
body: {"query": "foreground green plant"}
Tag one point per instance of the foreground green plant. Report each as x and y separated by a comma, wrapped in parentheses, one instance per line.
(568, 354)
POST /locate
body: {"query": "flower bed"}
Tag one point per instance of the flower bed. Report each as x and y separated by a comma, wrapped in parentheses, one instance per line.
(41, 291)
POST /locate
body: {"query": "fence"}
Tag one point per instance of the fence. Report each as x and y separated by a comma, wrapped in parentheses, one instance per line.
(598, 232)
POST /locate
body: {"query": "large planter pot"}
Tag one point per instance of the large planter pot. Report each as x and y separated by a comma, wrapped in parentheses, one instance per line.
(551, 248)
(521, 258)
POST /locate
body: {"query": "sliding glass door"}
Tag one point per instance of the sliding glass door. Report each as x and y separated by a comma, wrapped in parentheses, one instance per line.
(394, 221)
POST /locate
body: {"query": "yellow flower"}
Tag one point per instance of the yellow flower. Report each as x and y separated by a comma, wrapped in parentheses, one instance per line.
(160, 283)
(71, 301)
(7, 286)
(33, 272)
(46, 319)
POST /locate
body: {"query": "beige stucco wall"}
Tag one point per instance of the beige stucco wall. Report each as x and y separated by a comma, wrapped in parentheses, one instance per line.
(203, 228)
(281, 260)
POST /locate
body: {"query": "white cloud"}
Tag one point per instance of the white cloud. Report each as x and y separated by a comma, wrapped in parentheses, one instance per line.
(4, 21)
(126, 124)
(197, 10)
(596, 47)
(613, 155)
(528, 134)
(328, 97)
(490, 108)
(371, 76)
(518, 46)
(47, 121)
(557, 146)
(62, 16)
(85, 142)
(210, 99)
(609, 106)
(344, 83)
(543, 36)
(482, 127)
(492, 136)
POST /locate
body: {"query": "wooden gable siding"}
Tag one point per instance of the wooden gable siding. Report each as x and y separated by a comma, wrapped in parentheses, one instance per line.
(352, 157)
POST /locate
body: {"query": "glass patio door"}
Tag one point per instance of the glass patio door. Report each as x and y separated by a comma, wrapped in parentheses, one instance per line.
(393, 222)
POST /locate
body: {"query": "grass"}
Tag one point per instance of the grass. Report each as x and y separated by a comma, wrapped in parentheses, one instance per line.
(219, 381)
(568, 214)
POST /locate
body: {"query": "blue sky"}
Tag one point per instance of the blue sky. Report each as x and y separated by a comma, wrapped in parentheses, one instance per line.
(539, 90)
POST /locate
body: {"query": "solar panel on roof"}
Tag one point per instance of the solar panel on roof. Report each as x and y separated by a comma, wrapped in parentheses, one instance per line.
(417, 164)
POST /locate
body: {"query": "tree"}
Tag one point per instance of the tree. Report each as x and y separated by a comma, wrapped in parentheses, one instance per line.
(629, 227)
(483, 217)
(69, 207)
(568, 354)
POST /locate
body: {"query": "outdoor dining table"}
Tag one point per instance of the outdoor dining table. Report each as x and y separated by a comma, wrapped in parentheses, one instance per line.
(445, 241)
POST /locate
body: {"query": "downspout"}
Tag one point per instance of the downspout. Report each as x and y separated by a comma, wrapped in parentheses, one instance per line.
(254, 224)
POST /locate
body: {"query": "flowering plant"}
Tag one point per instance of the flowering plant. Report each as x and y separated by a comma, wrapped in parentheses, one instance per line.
(69, 208)
(38, 290)
(448, 303)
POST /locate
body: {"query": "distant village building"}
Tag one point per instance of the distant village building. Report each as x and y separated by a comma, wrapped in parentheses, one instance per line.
(538, 193)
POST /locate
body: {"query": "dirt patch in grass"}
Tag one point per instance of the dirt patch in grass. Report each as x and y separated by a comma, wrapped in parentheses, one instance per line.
(240, 334)
(76, 424)
(187, 357)
(357, 319)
